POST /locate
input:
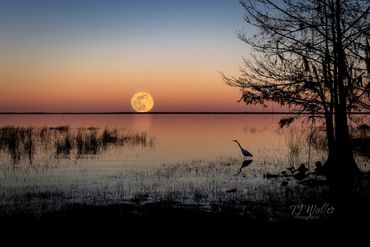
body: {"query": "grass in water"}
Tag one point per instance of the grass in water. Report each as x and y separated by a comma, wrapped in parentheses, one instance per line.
(20, 142)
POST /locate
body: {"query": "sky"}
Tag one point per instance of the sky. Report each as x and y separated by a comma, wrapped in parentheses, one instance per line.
(93, 55)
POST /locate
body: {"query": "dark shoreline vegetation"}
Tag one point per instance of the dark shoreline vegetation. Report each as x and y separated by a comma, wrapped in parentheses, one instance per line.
(275, 209)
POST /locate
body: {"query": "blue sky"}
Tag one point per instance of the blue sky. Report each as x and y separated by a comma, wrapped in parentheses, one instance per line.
(136, 44)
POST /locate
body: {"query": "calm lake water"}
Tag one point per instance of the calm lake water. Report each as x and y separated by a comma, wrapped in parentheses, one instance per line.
(177, 138)
(181, 138)
(189, 158)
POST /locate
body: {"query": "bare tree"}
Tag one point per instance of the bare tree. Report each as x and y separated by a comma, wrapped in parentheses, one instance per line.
(313, 56)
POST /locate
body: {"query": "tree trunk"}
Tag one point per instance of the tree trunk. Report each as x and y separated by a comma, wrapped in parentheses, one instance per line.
(345, 165)
(343, 141)
(344, 168)
(330, 138)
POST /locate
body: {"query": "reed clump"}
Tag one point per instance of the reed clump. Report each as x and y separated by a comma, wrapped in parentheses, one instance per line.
(87, 142)
(17, 142)
(317, 139)
(64, 146)
(136, 139)
(361, 139)
(109, 136)
(295, 140)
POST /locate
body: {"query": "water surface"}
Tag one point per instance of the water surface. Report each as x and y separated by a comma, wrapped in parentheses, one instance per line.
(178, 138)
(187, 158)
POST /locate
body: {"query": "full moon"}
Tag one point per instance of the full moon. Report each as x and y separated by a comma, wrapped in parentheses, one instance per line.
(142, 102)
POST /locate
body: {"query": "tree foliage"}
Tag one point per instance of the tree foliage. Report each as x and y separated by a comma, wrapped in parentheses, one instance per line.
(312, 56)
(294, 54)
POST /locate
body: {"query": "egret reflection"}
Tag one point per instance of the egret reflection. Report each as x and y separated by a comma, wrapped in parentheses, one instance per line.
(244, 164)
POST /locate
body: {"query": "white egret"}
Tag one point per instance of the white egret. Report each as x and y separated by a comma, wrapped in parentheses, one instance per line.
(245, 152)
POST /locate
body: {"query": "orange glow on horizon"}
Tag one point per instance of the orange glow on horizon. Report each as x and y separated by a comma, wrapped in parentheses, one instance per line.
(51, 90)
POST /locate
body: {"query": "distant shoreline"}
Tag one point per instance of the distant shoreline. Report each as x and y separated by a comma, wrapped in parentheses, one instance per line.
(164, 113)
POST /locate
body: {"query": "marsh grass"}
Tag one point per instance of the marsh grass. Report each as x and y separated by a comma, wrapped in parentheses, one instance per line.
(87, 142)
(361, 139)
(17, 142)
(295, 140)
(109, 137)
(360, 136)
(137, 139)
(63, 146)
(204, 184)
(317, 138)
(29, 143)
(20, 142)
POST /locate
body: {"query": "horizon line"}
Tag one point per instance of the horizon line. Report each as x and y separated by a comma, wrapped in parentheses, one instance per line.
(165, 113)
